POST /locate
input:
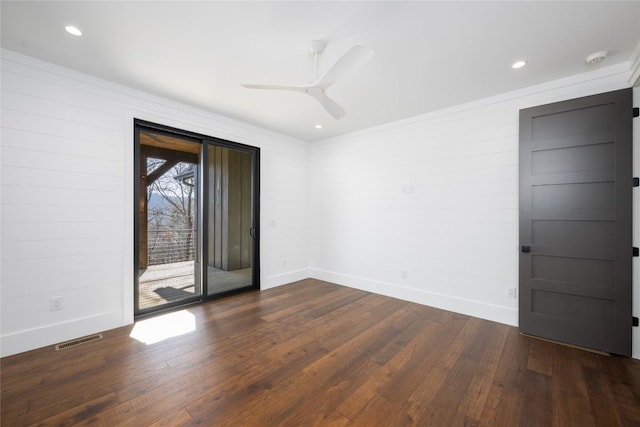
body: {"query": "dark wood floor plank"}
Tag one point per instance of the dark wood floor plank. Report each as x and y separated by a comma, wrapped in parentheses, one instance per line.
(360, 398)
(380, 412)
(603, 408)
(42, 403)
(322, 411)
(440, 391)
(75, 415)
(473, 401)
(316, 354)
(234, 399)
(623, 380)
(320, 329)
(538, 405)
(506, 396)
(143, 409)
(313, 376)
(416, 319)
(399, 376)
(330, 370)
(303, 305)
(540, 357)
(568, 386)
(176, 419)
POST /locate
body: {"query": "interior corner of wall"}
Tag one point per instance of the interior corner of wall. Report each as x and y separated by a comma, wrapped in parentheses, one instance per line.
(284, 278)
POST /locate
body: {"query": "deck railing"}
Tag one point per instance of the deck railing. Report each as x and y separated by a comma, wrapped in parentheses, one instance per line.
(170, 245)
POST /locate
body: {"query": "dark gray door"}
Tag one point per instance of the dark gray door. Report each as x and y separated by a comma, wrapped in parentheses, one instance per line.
(575, 221)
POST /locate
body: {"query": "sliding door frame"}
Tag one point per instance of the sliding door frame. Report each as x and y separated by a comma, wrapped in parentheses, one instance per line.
(202, 214)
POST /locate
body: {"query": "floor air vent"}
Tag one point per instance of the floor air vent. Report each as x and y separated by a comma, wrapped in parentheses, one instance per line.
(78, 341)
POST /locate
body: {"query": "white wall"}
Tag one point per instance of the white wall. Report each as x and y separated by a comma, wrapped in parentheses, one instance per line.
(436, 196)
(67, 199)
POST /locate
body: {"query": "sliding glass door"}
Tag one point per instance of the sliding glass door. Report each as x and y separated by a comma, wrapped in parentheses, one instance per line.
(195, 220)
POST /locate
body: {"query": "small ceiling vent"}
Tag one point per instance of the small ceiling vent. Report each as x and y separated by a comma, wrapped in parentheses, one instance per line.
(596, 57)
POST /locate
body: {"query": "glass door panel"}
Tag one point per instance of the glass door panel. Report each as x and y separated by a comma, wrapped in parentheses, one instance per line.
(168, 216)
(230, 222)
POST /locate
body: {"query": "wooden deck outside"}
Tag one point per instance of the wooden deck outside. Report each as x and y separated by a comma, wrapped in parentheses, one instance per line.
(163, 283)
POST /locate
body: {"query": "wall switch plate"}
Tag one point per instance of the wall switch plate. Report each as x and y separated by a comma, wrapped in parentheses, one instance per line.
(55, 304)
(511, 292)
(403, 274)
(407, 189)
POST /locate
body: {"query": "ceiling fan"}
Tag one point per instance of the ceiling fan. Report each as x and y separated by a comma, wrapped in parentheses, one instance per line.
(352, 59)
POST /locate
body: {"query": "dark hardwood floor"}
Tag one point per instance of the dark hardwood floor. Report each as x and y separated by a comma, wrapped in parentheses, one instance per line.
(313, 353)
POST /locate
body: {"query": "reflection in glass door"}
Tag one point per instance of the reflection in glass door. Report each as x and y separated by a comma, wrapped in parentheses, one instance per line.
(230, 229)
(168, 189)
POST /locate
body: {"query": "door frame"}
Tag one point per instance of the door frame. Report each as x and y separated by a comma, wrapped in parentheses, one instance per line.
(202, 249)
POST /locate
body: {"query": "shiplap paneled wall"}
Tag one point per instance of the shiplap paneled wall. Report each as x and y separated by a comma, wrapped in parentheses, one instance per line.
(67, 199)
(434, 197)
(426, 209)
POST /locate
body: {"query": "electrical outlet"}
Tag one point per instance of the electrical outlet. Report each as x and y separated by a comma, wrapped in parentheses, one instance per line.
(511, 292)
(284, 262)
(403, 274)
(55, 304)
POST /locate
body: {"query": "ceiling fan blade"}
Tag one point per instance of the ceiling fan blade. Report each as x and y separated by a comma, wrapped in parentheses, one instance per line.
(331, 106)
(351, 60)
(275, 87)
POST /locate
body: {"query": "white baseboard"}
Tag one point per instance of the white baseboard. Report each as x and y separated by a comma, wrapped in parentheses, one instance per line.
(21, 341)
(31, 339)
(496, 313)
(284, 278)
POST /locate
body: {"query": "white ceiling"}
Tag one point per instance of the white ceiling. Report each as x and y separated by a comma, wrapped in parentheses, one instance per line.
(428, 55)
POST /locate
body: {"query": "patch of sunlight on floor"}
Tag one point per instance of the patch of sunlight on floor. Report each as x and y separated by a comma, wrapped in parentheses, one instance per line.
(160, 328)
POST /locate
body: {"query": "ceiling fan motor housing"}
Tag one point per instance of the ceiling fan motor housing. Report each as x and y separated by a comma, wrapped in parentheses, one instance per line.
(316, 47)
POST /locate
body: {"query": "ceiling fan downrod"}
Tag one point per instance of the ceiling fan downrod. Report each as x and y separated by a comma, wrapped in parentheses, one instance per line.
(316, 47)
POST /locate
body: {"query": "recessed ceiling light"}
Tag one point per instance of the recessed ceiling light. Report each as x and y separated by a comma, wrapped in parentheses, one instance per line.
(518, 64)
(73, 30)
(318, 126)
